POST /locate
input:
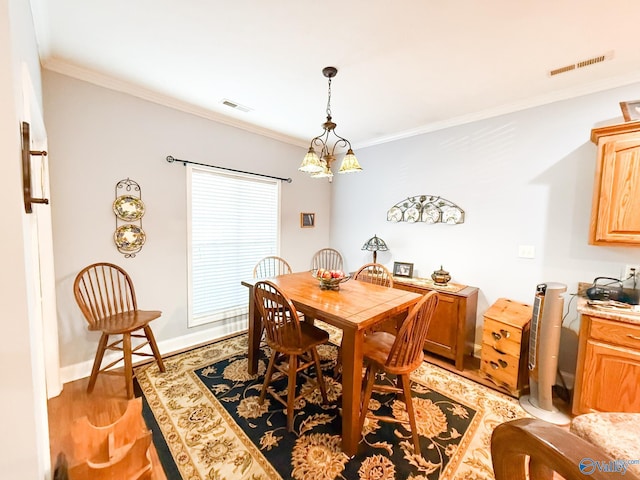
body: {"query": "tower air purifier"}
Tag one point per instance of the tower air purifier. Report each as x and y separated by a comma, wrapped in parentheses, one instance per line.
(544, 345)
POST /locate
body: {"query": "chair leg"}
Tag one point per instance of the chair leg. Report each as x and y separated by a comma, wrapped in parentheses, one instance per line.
(267, 377)
(370, 377)
(154, 348)
(408, 401)
(291, 387)
(320, 378)
(128, 363)
(104, 338)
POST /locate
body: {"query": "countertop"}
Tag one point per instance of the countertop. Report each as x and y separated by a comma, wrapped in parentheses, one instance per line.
(610, 313)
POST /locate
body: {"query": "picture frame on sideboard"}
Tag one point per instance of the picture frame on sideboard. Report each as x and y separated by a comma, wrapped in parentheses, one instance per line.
(402, 269)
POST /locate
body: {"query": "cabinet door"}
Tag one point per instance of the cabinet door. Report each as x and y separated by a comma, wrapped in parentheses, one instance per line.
(616, 208)
(610, 379)
(443, 329)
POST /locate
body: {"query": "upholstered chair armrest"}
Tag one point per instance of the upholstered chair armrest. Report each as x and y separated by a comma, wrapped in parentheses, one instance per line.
(549, 449)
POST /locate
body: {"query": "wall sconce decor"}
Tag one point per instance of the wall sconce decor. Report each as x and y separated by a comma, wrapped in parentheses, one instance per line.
(375, 244)
(427, 209)
(129, 237)
(26, 169)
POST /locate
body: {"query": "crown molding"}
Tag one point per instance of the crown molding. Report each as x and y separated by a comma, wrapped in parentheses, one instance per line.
(106, 81)
(538, 101)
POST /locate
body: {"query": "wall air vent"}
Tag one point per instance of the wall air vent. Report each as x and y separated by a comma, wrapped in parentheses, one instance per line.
(582, 64)
(235, 106)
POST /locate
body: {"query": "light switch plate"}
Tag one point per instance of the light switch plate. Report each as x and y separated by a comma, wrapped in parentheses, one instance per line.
(526, 251)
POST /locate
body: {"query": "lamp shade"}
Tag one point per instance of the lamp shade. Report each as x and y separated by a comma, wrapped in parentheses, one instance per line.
(350, 164)
(375, 244)
(311, 162)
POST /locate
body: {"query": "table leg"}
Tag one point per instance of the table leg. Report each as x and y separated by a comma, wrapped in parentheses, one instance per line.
(255, 331)
(352, 341)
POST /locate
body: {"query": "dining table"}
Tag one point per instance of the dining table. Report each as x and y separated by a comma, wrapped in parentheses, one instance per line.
(355, 308)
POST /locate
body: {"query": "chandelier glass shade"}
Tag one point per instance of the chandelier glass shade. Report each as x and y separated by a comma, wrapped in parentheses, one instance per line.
(319, 165)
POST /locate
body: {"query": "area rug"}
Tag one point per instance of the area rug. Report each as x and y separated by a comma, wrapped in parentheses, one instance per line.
(207, 421)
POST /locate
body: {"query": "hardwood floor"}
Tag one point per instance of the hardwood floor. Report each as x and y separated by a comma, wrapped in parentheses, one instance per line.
(103, 406)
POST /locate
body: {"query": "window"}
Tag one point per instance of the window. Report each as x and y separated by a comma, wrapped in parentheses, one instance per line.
(234, 222)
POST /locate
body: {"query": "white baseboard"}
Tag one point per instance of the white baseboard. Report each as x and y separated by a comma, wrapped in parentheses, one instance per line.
(83, 369)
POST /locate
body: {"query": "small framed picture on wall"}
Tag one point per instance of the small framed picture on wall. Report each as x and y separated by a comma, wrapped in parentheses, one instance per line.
(307, 220)
(630, 110)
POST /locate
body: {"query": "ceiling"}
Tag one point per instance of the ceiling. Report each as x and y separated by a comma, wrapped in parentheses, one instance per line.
(404, 67)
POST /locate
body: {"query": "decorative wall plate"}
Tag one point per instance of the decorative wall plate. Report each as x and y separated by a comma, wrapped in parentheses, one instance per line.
(426, 208)
(128, 208)
(129, 237)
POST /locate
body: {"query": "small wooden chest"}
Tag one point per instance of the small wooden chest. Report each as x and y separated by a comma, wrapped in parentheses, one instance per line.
(505, 342)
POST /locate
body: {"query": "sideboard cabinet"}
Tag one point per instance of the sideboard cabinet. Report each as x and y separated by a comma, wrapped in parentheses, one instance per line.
(615, 212)
(452, 329)
(608, 369)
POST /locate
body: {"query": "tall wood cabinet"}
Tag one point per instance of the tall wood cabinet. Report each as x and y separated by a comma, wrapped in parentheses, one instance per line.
(451, 332)
(615, 213)
(608, 369)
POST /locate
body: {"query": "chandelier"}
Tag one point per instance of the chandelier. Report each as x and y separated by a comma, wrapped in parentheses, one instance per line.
(319, 166)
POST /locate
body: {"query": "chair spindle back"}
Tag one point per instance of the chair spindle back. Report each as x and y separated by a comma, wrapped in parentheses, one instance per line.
(327, 258)
(376, 274)
(271, 266)
(409, 342)
(104, 289)
(280, 318)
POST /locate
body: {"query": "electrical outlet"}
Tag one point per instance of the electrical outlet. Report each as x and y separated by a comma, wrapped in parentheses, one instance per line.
(630, 271)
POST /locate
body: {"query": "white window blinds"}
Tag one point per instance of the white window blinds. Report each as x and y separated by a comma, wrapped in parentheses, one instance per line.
(234, 222)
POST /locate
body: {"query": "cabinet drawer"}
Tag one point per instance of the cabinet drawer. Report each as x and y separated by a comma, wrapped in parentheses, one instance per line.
(501, 367)
(625, 334)
(505, 338)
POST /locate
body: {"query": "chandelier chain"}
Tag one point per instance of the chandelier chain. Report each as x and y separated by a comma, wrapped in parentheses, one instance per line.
(329, 100)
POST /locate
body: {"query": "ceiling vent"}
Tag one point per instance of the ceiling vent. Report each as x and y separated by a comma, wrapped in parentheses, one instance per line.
(235, 106)
(582, 64)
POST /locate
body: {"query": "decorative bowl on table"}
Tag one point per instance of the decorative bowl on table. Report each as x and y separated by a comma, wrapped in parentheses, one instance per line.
(329, 279)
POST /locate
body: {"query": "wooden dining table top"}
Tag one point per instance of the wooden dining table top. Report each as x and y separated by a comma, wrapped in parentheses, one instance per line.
(356, 304)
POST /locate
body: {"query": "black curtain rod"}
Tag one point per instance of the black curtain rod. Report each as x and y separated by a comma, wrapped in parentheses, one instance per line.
(171, 159)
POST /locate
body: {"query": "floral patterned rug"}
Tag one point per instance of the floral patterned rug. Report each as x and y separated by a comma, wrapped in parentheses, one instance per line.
(204, 410)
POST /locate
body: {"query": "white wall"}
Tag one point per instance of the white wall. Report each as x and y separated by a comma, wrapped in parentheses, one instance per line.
(24, 445)
(522, 179)
(99, 136)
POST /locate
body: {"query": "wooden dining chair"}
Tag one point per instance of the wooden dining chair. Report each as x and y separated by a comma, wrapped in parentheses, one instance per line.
(107, 299)
(293, 345)
(271, 266)
(398, 355)
(374, 273)
(327, 258)
(370, 273)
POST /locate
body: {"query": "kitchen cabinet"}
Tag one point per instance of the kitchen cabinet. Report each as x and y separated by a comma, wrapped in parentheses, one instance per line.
(608, 368)
(451, 332)
(615, 212)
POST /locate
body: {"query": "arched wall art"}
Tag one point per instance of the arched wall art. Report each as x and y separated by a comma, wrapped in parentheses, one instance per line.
(427, 209)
